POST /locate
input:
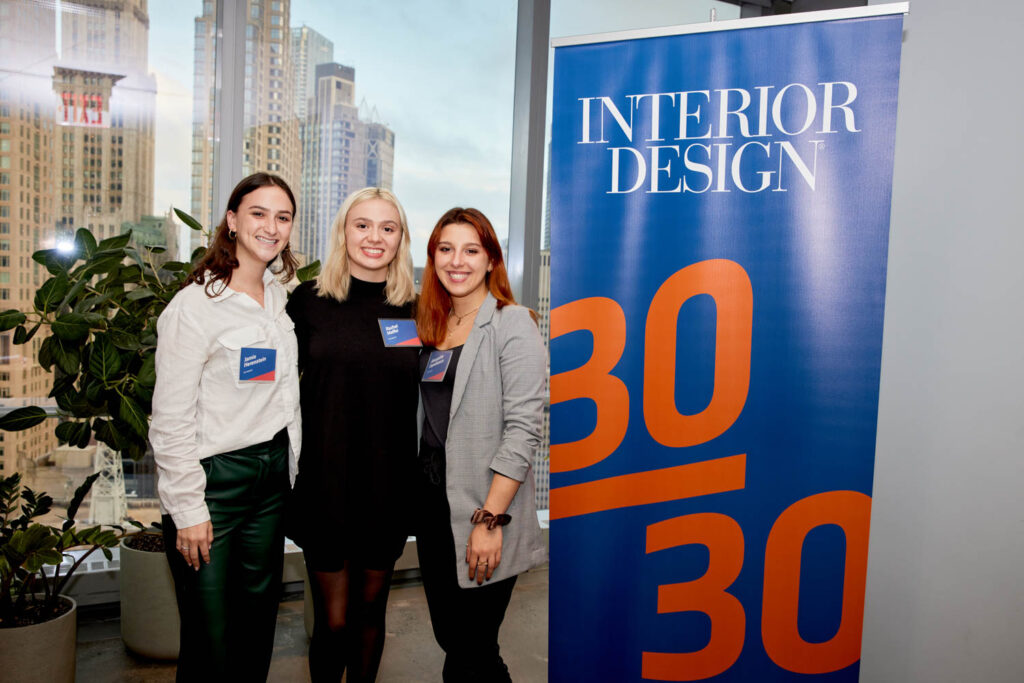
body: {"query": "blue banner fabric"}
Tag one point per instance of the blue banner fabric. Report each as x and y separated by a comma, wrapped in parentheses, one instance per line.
(720, 215)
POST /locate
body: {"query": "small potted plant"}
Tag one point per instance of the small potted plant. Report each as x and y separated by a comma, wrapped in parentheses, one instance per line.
(37, 621)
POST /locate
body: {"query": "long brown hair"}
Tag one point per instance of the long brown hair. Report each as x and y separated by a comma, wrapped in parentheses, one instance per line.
(435, 303)
(220, 261)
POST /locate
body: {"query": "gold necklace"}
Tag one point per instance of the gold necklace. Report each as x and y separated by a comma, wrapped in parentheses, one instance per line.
(458, 318)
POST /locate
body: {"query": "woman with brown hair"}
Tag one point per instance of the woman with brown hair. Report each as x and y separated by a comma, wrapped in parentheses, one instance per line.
(482, 383)
(348, 510)
(226, 435)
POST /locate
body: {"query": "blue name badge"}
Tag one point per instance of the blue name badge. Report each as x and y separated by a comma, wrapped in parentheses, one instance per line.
(399, 332)
(257, 365)
(437, 365)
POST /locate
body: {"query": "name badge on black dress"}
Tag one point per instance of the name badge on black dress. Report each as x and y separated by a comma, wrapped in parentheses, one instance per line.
(399, 332)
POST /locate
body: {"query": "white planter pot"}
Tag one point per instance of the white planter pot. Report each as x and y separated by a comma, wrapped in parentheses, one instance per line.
(41, 653)
(150, 625)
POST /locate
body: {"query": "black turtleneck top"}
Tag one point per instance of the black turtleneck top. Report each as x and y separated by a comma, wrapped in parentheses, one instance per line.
(358, 425)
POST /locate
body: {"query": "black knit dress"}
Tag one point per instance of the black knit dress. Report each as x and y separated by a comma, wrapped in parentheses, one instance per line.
(358, 429)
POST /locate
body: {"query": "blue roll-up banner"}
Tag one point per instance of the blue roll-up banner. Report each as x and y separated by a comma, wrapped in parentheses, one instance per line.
(720, 215)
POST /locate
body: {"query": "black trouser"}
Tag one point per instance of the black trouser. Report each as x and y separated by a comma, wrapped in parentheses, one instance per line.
(229, 607)
(465, 620)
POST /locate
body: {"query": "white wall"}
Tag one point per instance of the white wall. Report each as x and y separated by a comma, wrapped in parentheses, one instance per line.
(945, 587)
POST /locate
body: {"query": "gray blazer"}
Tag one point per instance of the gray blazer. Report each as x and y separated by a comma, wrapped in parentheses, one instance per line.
(495, 426)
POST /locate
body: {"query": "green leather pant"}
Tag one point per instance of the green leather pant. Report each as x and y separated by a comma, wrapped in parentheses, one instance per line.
(229, 607)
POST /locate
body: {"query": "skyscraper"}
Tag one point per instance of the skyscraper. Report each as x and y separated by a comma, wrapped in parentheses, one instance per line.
(27, 212)
(271, 137)
(106, 115)
(341, 153)
(76, 150)
(308, 49)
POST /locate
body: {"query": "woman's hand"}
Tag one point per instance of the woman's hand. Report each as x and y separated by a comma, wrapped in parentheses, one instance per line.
(194, 542)
(483, 552)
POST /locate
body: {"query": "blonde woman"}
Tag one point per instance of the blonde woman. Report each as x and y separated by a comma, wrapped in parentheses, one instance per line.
(358, 397)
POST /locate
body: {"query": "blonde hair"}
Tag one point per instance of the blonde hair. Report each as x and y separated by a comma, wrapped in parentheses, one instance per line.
(334, 278)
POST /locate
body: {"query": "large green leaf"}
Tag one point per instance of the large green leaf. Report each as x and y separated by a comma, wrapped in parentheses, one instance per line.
(46, 353)
(103, 263)
(175, 267)
(94, 391)
(80, 494)
(188, 220)
(70, 326)
(95, 319)
(308, 272)
(197, 254)
(11, 319)
(67, 355)
(107, 432)
(89, 303)
(85, 243)
(123, 339)
(134, 447)
(134, 255)
(75, 403)
(145, 395)
(22, 418)
(129, 274)
(31, 333)
(104, 361)
(51, 293)
(140, 293)
(62, 384)
(74, 433)
(133, 414)
(118, 242)
(73, 293)
(55, 261)
(147, 373)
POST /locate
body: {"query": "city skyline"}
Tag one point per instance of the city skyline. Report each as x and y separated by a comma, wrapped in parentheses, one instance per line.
(450, 109)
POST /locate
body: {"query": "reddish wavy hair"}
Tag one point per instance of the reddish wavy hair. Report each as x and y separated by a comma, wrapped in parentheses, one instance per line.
(219, 261)
(435, 304)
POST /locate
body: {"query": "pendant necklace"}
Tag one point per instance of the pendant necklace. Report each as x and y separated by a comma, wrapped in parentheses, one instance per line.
(458, 318)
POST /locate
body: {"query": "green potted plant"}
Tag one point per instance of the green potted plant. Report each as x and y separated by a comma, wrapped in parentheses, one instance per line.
(101, 304)
(37, 621)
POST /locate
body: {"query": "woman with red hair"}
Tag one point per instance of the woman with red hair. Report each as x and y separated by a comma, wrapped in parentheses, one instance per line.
(483, 369)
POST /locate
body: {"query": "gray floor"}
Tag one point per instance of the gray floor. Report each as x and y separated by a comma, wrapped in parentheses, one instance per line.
(410, 653)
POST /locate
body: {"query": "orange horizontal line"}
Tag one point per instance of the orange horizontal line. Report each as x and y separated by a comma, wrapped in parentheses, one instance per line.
(655, 486)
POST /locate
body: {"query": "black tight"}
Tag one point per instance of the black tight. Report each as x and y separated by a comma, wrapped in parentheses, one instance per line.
(348, 627)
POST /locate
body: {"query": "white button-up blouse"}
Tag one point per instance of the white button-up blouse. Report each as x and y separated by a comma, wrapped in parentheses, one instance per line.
(200, 405)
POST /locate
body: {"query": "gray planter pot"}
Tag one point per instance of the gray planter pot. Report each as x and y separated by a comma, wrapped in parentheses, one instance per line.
(150, 625)
(41, 653)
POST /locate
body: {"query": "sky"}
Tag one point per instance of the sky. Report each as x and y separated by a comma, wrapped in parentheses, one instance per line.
(440, 74)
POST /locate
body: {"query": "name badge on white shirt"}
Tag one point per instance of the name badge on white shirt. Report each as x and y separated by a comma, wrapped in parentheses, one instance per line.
(257, 365)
